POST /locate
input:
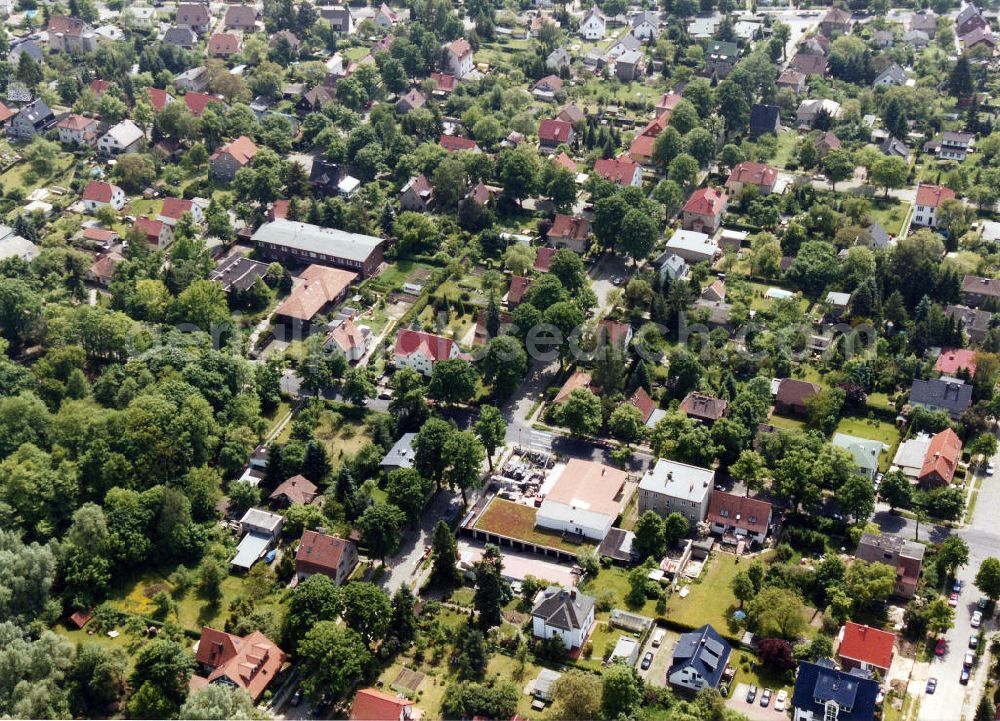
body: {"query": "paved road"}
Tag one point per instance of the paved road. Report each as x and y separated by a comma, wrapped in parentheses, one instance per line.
(983, 537)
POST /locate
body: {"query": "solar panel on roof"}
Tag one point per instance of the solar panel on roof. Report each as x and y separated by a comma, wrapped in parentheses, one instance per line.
(714, 646)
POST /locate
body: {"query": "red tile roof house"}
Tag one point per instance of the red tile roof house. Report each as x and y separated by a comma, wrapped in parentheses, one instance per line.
(704, 210)
(703, 407)
(941, 460)
(620, 171)
(641, 149)
(579, 379)
(444, 83)
(553, 133)
(793, 394)
(746, 173)
(953, 360)
(736, 518)
(223, 45)
(329, 556)
(543, 259)
(174, 208)
(865, 647)
(641, 400)
(373, 705)
(241, 17)
(98, 194)
(614, 331)
(99, 87)
(421, 351)
(231, 157)
(157, 233)
(5, 114)
(158, 98)
(194, 16)
(454, 143)
(518, 287)
(571, 232)
(198, 102)
(77, 129)
(929, 199)
(459, 57)
(249, 662)
(321, 288)
(297, 490)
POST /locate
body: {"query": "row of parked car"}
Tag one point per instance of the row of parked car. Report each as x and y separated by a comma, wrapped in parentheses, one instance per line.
(765, 698)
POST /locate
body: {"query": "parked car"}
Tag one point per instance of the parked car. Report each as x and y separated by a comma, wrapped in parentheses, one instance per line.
(990, 469)
(647, 660)
(964, 678)
(953, 600)
(751, 693)
(982, 603)
(296, 698)
(974, 641)
(940, 647)
(765, 697)
(779, 702)
(931, 684)
(956, 586)
(977, 619)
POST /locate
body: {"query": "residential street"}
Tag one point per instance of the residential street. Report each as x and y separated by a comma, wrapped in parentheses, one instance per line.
(983, 538)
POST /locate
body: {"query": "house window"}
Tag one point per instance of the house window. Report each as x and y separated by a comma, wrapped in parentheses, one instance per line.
(724, 513)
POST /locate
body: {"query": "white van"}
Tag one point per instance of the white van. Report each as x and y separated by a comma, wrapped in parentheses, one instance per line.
(658, 635)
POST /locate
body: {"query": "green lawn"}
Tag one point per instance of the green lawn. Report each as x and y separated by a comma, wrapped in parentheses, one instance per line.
(341, 437)
(710, 599)
(873, 429)
(756, 674)
(787, 143)
(889, 214)
(794, 424)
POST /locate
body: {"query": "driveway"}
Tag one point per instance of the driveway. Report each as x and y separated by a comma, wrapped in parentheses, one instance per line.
(656, 674)
(738, 702)
(403, 567)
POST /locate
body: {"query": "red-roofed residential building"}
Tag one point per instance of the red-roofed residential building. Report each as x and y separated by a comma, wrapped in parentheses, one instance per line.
(174, 208)
(97, 237)
(99, 87)
(518, 287)
(444, 83)
(641, 149)
(553, 133)
(579, 379)
(77, 129)
(704, 210)
(543, 259)
(330, 556)
(952, 360)
(320, 288)
(941, 460)
(223, 45)
(571, 232)
(158, 98)
(620, 171)
(156, 232)
(373, 705)
(737, 518)
(746, 173)
(614, 331)
(5, 114)
(641, 400)
(929, 199)
(248, 662)
(231, 157)
(454, 143)
(459, 57)
(865, 647)
(667, 103)
(197, 102)
(564, 161)
(297, 490)
(352, 340)
(97, 194)
(422, 351)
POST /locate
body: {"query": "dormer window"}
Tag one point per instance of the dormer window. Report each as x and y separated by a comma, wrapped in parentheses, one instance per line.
(724, 513)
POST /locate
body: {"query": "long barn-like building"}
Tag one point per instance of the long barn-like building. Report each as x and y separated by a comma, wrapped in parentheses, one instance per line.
(311, 244)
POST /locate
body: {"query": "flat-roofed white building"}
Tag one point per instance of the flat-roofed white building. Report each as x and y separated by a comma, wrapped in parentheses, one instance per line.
(260, 528)
(283, 239)
(585, 500)
(692, 246)
(671, 487)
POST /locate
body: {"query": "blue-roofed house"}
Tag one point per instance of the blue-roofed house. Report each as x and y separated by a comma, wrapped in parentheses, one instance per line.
(823, 692)
(699, 660)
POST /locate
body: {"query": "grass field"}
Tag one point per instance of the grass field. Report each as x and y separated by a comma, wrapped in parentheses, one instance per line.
(872, 429)
(341, 437)
(518, 521)
(889, 214)
(710, 599)
(794, 424)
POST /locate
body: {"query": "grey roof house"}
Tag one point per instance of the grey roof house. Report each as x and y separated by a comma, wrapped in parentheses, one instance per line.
(33, 118)
(823, 692)
(942, 394)
(699, 660)
(564, 614)
(764, 119)
(401, 454)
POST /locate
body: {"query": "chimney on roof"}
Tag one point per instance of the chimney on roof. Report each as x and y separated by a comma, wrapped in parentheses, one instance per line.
(321, 530)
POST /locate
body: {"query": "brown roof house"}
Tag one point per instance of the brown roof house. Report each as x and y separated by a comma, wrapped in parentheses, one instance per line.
(738, 518)
(248, 662)
(793, 395)
(330, 556)
(223, 45)
(977, 291)
(553, 133)
(241, 17)
(413, 100)
(231, 157)
(321, 288)
(194, 16)
(748, 173)
(905, 556)
(297, 490)
(417, 195)
(704, 210)
(941, 460)
(703, 407)
(571, 232)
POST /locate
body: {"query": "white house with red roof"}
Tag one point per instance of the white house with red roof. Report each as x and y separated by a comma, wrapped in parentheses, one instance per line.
(330, 556)
(553, 133)
(952, 360)
(736, 517)
(247, 662)
(158, 98)
(174, 208)
(78, 129)
(98, 194)
(929, 199)
(459, 58)
(704, 210)
(747, 173)
(156, 232)
(373, 705)
(865, 647)
(620, 171)
(422, 351)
